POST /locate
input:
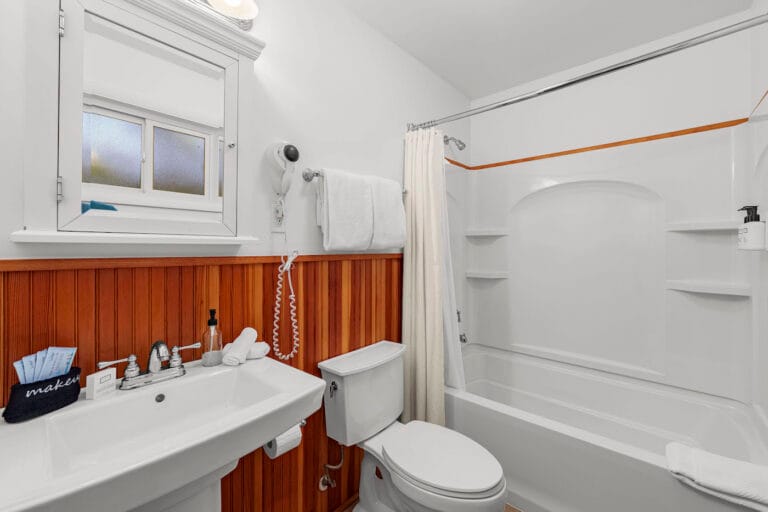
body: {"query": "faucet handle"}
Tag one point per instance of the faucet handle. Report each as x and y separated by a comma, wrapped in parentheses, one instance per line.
(132, 370)
(176, 358)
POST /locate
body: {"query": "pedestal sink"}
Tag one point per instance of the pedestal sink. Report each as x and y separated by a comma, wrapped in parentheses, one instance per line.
(164, 447)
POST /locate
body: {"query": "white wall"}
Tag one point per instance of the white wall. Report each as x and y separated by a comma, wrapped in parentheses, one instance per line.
(593, 287)
(701, 85)
(325, 82)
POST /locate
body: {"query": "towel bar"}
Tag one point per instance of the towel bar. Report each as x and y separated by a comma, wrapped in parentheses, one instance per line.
(310, 174)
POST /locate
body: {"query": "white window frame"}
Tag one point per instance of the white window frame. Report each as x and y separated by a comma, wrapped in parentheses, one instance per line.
(170, 214)
(145, 194)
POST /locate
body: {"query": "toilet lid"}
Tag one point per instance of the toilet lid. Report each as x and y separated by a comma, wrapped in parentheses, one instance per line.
(442, 459)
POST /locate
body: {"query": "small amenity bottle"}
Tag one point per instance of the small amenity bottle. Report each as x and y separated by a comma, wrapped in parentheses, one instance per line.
(212, 342)
(752, 232)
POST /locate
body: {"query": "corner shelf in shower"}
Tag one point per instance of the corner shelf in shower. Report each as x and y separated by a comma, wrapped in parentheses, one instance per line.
(486, 274)
(710, 287)
(704, 226)
(485, 232)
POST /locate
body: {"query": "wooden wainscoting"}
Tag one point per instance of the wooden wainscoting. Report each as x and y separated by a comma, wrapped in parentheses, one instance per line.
(109, 308)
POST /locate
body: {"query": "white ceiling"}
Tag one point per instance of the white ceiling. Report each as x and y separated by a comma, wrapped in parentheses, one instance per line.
(486, 46)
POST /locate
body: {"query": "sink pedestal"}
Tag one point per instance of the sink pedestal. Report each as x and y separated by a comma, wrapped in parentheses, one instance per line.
(202, 495)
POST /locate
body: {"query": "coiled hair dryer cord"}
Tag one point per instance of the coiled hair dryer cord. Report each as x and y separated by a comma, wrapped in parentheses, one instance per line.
(285, 268)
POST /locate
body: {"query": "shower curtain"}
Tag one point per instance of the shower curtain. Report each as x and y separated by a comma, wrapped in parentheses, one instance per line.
(429, 313)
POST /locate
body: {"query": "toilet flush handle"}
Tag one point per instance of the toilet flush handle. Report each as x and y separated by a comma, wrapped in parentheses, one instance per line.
(334, 388)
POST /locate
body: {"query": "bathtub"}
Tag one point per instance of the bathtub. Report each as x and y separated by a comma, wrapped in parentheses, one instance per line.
(572, 439)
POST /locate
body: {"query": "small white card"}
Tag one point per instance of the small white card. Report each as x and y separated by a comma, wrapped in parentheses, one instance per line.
(100, 384)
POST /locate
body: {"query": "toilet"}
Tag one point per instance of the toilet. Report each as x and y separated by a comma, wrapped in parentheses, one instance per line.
(413, 467)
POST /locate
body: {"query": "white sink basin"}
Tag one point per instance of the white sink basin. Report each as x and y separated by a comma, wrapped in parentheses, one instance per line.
(133, 451)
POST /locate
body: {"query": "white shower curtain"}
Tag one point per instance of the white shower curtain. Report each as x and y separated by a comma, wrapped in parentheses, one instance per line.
(427, 275)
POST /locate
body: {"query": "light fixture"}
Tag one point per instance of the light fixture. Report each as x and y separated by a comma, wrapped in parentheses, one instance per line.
(245, 10)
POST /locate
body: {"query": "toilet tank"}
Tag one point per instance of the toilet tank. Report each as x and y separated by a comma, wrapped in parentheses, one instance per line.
(363, 392)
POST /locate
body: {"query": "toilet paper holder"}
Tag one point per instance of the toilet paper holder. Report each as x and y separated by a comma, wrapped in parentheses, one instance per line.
(277, 446)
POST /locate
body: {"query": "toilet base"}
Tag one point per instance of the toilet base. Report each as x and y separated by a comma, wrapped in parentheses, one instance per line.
(375, 491)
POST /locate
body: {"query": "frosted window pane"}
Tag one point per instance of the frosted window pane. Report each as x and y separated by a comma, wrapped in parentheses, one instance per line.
(179, 162)
(111, 151)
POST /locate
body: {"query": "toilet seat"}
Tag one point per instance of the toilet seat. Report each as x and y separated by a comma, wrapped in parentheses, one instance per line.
(442, 462)
(441, 503)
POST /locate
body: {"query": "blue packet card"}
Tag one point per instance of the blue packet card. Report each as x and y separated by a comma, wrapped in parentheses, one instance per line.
(57, 362)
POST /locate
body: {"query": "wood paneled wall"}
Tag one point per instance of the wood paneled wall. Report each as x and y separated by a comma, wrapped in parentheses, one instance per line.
(110, 308)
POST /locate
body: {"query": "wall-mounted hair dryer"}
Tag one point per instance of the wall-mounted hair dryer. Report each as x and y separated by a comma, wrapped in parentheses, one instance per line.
(283, 157)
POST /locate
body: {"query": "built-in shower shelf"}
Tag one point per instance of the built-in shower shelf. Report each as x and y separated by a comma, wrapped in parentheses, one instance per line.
(704, 226)
(711, 287)
(485, 232)
(487, 274)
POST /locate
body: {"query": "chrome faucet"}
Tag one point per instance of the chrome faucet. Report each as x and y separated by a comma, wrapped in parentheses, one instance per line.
(157, 356)
(157, 370)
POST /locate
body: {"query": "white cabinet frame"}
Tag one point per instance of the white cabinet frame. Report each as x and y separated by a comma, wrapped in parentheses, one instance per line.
(71, 98)
(179, 20)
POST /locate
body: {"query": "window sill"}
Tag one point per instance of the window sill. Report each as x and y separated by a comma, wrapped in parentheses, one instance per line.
(69, 237)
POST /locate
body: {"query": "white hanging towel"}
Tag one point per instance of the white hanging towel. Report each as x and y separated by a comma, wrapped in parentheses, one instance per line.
(388, 214)
(743, 483)
(346, 211)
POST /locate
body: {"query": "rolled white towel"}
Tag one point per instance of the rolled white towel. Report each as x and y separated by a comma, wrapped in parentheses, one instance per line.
(743, 483)
(239, 348)
(258, 350)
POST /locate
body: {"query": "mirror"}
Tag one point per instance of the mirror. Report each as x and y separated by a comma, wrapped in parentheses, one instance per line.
(155, 113)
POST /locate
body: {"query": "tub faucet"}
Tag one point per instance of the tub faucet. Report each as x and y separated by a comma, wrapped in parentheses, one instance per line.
(158, 355)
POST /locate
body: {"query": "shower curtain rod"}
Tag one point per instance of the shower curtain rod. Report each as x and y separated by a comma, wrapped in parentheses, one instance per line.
(688, 43)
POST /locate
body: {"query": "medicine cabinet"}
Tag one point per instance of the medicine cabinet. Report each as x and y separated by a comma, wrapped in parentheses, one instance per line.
(148, 135)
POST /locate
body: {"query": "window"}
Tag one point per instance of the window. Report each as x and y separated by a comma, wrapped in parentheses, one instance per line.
(145, 159)
(112, 150)
(179, 161)
(152, 115)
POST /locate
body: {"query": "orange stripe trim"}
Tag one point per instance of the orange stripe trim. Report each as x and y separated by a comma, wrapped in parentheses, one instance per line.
(658, 136)
(458, 164)
(759, 102)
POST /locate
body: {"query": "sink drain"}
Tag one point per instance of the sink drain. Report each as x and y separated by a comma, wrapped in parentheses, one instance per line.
(159, 398)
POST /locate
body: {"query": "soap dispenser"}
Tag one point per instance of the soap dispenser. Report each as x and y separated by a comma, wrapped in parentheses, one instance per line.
(752, 232)
(212, 354)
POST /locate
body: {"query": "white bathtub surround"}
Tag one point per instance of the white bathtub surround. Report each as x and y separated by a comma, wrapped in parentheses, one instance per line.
(388, 214)
(574, 427)
(423, 277)
(732, 480)
(346, 204)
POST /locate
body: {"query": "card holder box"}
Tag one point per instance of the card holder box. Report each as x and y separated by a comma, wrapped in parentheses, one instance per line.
(28, 401)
